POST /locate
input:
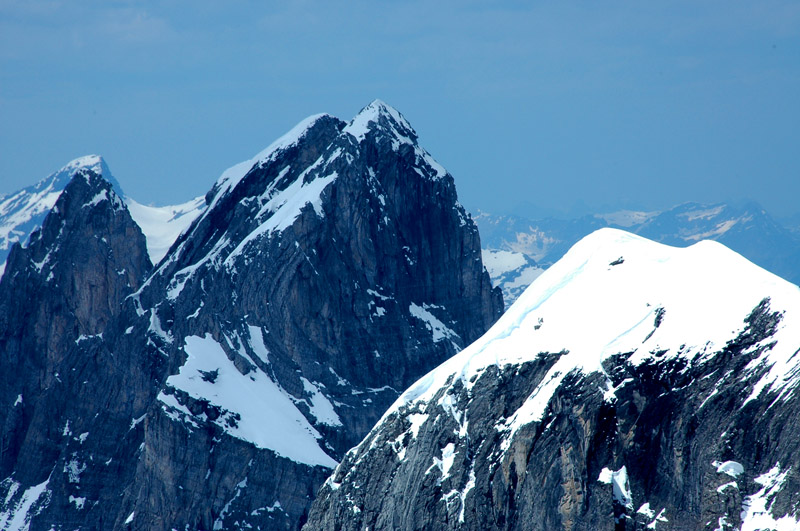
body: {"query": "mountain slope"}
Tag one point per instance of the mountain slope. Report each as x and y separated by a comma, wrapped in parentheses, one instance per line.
(632, 385)
(314, 282)
(344, 268)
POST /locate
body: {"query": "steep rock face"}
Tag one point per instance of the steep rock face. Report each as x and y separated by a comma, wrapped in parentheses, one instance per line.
(59, 300)
(334, 268)
(315, 282)
(632, 386)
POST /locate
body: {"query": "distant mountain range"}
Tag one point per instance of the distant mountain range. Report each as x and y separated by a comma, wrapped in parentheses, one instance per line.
(747, 229)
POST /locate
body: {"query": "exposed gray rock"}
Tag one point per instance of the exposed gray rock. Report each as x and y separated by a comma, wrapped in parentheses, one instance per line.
(672, 432)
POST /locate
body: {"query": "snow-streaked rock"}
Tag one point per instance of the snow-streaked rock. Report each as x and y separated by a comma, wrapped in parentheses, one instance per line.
(629, 374)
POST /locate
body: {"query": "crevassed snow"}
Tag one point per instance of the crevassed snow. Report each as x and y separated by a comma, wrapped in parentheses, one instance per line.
(163, 225)
(706, 291)
(267, 417)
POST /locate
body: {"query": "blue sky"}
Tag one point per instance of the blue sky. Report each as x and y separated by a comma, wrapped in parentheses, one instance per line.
(562, 105)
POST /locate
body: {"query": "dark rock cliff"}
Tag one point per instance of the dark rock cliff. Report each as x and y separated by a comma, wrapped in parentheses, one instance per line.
(673, 423)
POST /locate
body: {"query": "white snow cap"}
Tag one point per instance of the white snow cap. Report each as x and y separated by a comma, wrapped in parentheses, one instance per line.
(89, 162)
(618, 293)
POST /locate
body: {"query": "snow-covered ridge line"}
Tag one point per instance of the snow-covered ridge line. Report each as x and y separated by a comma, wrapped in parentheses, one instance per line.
(231, 177)
(380, 115)
(613, 286)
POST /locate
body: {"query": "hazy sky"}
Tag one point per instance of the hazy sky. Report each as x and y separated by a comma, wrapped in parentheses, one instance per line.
(549, 103)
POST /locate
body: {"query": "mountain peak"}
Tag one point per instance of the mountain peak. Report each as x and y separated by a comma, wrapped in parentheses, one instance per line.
(379, 115)
(613, 285)
(89, 162)
(93, 163)
(23, 211)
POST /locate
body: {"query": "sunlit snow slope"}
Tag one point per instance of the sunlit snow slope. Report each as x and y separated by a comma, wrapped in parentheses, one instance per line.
(631, 380)
(615, 293)
(162, 225)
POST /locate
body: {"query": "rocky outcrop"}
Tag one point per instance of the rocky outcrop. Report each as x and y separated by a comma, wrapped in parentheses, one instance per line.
(322, 277)
(633, 386)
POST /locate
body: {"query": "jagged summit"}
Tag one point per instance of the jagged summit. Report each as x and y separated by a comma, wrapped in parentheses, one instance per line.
(631, 383)
(93, 163)
(23, 212)
(380, 116)
(217, 390)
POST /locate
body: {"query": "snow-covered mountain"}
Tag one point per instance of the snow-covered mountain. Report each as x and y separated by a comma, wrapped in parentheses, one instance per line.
(163, 225)
(218, 387)
(23, 212)
(747, 229)
(633, 385)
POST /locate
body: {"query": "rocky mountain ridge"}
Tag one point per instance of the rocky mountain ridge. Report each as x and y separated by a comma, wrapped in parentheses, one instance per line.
(632, 386)
(218, 388)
